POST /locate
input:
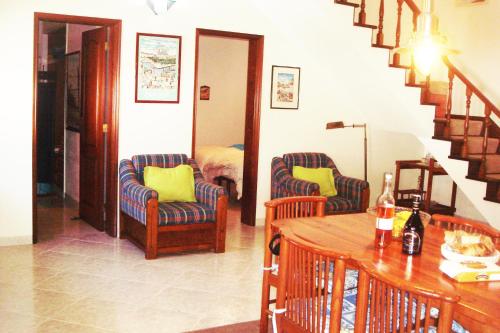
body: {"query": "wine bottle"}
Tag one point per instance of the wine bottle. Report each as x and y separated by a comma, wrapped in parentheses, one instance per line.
(413, 231)
(385, 214)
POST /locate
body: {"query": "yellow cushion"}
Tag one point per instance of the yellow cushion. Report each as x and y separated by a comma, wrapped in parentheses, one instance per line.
(172, 184)
(321, 176)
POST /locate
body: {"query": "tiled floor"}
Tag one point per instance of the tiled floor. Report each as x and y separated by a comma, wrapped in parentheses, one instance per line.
(77, 279)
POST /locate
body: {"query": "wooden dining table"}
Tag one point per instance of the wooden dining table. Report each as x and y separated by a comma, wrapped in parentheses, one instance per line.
(478, 309)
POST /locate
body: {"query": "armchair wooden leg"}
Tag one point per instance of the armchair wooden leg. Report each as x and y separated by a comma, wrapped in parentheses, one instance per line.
(220, 229)
(123, 231)
(151, 247)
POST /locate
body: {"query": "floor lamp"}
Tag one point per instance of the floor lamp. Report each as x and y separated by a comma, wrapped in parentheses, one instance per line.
(340, 124)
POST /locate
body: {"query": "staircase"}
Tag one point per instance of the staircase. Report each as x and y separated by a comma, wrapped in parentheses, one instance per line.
(474, 138)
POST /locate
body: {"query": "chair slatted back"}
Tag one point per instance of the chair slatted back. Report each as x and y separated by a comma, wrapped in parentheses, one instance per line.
(281, 208)
(457, 223)
(306, 272)
(389, 305)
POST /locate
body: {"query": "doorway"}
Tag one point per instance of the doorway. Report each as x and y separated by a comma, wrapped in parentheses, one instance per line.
(250, 118)
(74, 124)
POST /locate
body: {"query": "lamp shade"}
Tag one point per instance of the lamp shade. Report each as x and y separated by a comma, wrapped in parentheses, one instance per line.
(335, 124)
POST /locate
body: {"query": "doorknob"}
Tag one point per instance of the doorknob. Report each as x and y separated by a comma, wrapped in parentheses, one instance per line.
(58, 150)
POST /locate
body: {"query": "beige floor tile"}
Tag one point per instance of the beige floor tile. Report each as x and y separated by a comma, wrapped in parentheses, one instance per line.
(132, 293)
(36, 302)
(78, 284)
(57, 326)
(150, 319)
(11, 322)
(77, 279)
(96, 313)
(26, 276)
(59, 261)
(90, 249)
(190, 301)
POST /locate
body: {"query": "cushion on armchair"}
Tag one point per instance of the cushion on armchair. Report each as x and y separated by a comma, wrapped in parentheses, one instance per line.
(172, 184)
(172, 213)
(321, 176)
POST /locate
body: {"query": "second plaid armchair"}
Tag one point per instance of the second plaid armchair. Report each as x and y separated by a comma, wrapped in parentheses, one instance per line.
(353, 194)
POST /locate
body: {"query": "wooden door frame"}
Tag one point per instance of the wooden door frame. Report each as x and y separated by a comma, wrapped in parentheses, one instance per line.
(112, 100)
(252, 115)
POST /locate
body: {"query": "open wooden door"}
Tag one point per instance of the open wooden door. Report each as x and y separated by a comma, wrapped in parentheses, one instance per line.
(93, 57)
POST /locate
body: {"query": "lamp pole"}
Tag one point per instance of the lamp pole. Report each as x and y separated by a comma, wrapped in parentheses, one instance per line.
(365, 146)
(340, 124)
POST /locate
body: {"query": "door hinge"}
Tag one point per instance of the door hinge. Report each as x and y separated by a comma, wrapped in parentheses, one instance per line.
(106, 46)
(105, 128)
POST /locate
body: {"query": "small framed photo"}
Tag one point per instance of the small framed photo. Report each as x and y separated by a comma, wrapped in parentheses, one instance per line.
(205, 93)
(285, 84)
(158, 68)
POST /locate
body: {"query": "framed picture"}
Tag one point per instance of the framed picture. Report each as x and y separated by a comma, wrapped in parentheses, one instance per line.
(158, 68)
(72, 74)
(285, 84)
(204, 93)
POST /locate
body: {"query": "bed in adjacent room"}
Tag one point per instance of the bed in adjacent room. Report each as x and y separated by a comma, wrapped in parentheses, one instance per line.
(220, 161)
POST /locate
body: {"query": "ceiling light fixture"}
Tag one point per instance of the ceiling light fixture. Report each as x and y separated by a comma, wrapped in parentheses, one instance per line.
(427, 44)
(160, 7)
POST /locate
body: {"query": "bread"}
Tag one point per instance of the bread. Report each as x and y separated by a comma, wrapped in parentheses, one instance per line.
(468, 244)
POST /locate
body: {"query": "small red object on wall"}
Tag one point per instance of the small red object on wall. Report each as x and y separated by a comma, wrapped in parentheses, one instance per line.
(205, 93)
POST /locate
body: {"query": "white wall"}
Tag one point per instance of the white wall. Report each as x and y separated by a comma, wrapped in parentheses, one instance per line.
(222, 65)
(474, 31)
(342, 78)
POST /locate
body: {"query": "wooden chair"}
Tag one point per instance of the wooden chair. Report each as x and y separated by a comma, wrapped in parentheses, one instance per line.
(456, 223)
(389, 304)
(304, 302)
(281, 208)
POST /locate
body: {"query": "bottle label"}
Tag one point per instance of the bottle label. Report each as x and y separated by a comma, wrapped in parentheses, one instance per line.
(411, 242)
(385, 224)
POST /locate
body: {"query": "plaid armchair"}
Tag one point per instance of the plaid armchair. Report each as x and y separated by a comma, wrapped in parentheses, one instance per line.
(353, 194)
(170, 226)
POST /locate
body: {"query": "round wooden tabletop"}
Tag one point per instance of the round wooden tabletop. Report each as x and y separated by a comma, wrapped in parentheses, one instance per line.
(479, 307)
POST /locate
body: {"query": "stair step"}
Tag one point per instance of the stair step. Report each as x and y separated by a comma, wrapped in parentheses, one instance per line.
(416, 85)
(400, 66)
(347, 3)
(457, 127)
(475, 144)
(493, 188)
(439, 87)
(493, 177)
(431, 103)
(365, 25)
(382, 46)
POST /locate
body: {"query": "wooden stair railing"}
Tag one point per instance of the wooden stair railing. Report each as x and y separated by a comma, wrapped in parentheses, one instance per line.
(478, 165)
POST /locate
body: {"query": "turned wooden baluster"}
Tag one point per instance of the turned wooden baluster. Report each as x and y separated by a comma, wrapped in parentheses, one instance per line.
(412, 77)
(395, 58)
(447, 128)
(486, 124)
(465, 149)
(380, 33)
(362, 13)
